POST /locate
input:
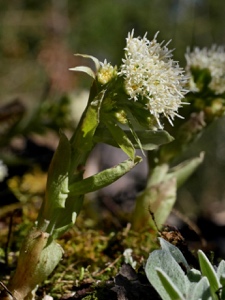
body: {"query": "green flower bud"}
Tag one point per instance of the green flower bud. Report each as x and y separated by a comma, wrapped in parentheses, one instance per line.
(121, 117)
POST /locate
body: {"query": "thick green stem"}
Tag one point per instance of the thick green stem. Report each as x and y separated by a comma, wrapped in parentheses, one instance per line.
(155, 203)
(147, 200)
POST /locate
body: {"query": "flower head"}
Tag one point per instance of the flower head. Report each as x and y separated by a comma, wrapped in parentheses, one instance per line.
(150, 73)
(105, 72)
(212, 59)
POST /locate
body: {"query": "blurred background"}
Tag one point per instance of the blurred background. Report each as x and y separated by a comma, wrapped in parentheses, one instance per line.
(37, 43)
(38, 38)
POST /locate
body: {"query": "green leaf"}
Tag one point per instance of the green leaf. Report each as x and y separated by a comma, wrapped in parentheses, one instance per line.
(222, 293)
(48, 261)
(159, 196)
(171, 282)
(160, 193)
(91, 119)
(103, 178)
(221, 269)
(57, 183)
(208, 271)
(200, 290)
(149, 139)
(175, 253)
(66, 218)
(221, 276)
(135, 136)
(184, 170)
(169, 286)
(160, 199)
(163, 260)
(163, 199)
(121, 138)
(82, 141)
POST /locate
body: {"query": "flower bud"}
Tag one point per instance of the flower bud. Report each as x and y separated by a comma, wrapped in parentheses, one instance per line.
(106, 72)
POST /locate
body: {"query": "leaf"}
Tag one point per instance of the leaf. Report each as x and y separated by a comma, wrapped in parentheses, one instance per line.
(149, 139)
(174, 284)
(222, 281)
(175, 252)
(159, 196)
(160, 199)
(221, 269)
(103, 178)
(184, 170)
(94, 59)
(91, 119)
(78, 189)
(163, 260)
(221, 276)
(160, 193)
(135, 136)
(163, 200)
(82, 141)
(208, 271)
(121, 138)
(57, 183)
(48, 261)
(85, 69)
(67, 217)
(170, 288)
(200, 290)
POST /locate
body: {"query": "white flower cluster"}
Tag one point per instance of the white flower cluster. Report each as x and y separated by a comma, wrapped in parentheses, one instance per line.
(150, 72)
(212, 59)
